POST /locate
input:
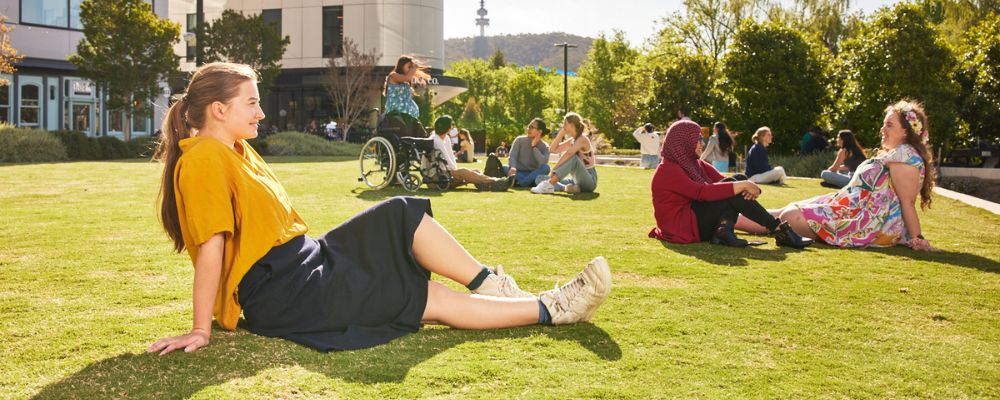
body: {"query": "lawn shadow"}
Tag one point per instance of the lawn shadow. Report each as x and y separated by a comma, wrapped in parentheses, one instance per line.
(729, 256)
(365, 193)
(959, 259)
(243, 355)
(581, 196)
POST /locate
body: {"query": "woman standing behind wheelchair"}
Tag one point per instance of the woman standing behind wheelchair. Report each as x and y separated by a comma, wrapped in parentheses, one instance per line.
(399, 86)
(363, 283)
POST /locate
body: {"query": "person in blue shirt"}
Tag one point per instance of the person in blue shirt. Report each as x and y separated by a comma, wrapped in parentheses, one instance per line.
(399, 86)
(759, 169)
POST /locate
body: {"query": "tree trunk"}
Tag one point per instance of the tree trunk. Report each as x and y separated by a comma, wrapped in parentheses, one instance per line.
(128, 124)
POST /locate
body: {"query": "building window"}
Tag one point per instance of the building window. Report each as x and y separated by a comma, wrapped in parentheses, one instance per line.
(333, 31)
(56, 13)
(29, 104)
(46, 12)
(138, 123)
(192, 24)
(5, 104)
(271, 17)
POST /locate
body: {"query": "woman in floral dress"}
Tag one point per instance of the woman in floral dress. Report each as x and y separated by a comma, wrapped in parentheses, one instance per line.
(877, 208)
(399, 90)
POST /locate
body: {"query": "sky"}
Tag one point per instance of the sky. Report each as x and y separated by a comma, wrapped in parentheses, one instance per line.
(638, 19)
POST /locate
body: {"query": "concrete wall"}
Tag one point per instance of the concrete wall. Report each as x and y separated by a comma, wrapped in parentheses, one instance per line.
(389, 27)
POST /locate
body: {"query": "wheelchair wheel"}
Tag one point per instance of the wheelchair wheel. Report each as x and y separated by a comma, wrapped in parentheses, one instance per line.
(409, 168)
(377, 162)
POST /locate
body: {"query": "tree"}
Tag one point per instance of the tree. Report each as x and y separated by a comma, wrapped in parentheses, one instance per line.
(128, 52)
(773, 77)
(897, 54)
(603, 76)
(351, 83)
(487, 86)
(707, 25)
(497, 60)
(978, 76)
(524, 97)
(827, 22)
(8, 54)
(238, 38)
(685, 83)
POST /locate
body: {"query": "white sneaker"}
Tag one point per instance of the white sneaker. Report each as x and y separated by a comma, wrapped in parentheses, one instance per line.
(572, 188)
(544, 188)
(578, 300)
(499, 284)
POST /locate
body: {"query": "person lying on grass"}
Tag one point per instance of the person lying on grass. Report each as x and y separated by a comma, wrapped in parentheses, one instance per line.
(362, 284)
(878, 206)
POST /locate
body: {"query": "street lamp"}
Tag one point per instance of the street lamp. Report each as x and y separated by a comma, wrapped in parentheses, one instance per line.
(566, 47)
(199, 45)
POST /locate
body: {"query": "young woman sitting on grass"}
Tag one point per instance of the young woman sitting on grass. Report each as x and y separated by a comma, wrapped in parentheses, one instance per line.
(878, 207)
(849, 157)
(693, 203)
(362, 284)
(759, 167)
(576, 166)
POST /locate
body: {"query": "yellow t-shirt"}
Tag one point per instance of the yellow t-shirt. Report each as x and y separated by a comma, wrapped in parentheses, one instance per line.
(231, 191)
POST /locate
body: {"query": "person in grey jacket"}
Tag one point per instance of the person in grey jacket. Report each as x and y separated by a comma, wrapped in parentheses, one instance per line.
(529, 155)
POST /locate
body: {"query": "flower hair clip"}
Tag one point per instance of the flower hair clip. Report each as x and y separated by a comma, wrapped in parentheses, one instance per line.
(911, 118)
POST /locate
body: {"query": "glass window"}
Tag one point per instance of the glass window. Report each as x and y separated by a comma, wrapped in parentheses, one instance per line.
(115, 121)
(46, 12)
(74, 14)
(29, 104)
(5, 104)
(333, 31)
(138, 124)
(272, 17)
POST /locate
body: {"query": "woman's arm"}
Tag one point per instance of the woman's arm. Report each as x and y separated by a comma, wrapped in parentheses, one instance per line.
(558, 144)
(574, 147)
(906, 184)
(207, 272)
(710, 148)
(838, 164)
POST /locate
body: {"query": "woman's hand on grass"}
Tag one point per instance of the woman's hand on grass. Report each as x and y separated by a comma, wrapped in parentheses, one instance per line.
(192, 341)
(921, 245)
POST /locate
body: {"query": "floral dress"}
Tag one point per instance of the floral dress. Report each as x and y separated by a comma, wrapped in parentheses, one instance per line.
(867, 211)
(399, 98)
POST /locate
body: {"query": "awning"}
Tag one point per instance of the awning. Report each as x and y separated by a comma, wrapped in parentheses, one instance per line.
(444, 88)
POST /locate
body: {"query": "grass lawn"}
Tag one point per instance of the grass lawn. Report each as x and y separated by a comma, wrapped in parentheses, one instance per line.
(88, 281)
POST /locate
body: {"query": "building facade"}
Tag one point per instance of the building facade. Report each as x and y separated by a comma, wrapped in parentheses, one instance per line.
(45, 92)
(316, 29)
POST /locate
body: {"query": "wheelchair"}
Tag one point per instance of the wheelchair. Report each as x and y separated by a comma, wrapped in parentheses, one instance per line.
(401, 152)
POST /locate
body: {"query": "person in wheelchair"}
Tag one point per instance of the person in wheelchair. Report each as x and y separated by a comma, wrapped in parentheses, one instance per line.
(463, 176)
(399, 86)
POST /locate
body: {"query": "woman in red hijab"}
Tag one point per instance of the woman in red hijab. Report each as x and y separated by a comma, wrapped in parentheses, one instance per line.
(693, 203)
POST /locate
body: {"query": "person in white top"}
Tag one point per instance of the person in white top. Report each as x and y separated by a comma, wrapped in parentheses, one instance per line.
(453, 137)
(649, 145)
(462, 176)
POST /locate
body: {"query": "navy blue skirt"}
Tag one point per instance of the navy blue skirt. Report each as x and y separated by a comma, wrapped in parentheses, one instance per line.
(356, 286)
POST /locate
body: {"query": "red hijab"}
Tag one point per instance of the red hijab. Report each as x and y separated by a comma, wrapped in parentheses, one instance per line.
(679, 147)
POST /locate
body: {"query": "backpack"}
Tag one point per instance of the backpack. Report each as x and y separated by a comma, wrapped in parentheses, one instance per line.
(493, 168)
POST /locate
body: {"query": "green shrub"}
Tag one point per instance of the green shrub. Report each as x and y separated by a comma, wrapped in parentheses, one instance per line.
(259, 145)
(29, 145)
(304, 144)
(809, 166)
(141, 147)
(79, 146)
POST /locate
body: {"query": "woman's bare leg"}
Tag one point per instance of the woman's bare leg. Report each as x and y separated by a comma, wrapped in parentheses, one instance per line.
(797, 221)
(472, 311)
(437, 251)
(746, 225)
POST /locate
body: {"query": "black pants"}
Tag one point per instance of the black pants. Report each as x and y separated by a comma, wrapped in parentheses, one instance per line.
(710, 213)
